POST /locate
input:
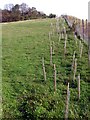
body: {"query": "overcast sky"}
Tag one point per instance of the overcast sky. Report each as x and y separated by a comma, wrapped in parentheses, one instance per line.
(78, 8)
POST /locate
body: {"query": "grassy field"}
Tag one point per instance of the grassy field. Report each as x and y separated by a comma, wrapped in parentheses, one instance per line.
(25, 93)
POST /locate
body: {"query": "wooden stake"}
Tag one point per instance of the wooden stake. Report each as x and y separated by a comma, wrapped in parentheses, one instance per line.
(67, 103)
(66, 37)
(86, 27)
(49, 36)
(73, 60)
(65, 46)
(44, 72)
(64, 30)
(75, 39)
(59, 37)
(62, 35)
(50, 55)
(81, 50)
(53, 48)
(51, 26)
(57, 26)
(79, 45)
(54, 77)
(75, 69)
(79, 86)
(83, 28)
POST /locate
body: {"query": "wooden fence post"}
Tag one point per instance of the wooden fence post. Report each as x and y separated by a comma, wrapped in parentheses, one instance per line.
(89, 41)
(83, 28)
(44, 72)
(86, 27)
(67, 103)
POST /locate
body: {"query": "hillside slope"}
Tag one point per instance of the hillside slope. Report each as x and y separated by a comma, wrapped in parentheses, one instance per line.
(26, 94)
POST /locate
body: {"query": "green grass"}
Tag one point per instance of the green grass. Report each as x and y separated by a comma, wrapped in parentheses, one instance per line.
(25, 93)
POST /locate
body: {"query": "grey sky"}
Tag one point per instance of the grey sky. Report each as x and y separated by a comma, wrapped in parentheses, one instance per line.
(78, 8)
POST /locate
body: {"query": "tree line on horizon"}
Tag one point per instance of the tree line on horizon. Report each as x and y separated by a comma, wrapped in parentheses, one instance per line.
(21, 12)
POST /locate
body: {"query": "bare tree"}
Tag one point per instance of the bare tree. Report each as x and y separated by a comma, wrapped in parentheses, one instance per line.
(24, 8)
(8, 7)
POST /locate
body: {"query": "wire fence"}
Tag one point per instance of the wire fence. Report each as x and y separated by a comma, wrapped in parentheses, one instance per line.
(81, 28)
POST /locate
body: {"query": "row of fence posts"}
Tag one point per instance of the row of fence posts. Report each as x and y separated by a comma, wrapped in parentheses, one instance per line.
(83, 29)
(82, 26)
(73, 67)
